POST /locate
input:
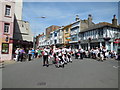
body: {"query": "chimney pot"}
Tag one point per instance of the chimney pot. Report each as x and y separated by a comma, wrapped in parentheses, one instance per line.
(114, 20)
(89, 20)
(77, 18)
(114, 16)
(89, 15)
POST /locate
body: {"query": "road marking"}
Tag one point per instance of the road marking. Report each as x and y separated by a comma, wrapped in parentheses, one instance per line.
(115, 66)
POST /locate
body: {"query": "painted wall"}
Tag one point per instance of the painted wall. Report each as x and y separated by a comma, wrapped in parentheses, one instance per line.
(18, 9)
(10, 20)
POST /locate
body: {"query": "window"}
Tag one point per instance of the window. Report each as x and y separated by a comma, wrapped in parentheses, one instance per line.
(66, 30)
(88, 33)
(55, 34)
(6, 27)
(5, 48)
(7, 10)
(55, 41)
(22, 25)
(100, 32)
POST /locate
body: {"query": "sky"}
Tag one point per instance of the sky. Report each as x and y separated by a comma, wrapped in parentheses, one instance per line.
(63, 13)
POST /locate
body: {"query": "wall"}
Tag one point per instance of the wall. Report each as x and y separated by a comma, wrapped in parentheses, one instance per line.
(10, 20)
(22, 31)
(18, 9)
(50, 29)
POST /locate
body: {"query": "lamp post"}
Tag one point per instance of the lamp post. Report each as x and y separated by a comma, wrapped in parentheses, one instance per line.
(79, 44)
(34, 37)
(7, 38)
(100, 39)
(89, 40)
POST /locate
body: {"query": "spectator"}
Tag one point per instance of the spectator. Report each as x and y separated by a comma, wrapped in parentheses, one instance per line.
(29, 54)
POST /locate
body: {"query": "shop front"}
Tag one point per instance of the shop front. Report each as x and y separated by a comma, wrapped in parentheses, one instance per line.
(22, 44)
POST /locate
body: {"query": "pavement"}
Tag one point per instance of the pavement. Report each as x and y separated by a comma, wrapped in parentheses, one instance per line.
(9, 62)
(6, 62)
(86, 73)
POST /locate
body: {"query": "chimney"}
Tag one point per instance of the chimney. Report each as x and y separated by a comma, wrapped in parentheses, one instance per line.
(77, 18)
(89, 20)
(114, 20)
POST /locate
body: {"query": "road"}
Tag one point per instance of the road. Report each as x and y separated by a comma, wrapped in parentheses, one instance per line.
(87, 73)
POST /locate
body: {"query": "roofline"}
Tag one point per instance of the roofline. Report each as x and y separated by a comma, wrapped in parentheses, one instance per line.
(100, 27)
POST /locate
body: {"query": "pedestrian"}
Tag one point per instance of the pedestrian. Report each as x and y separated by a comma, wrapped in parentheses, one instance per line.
(33, 53)
(22, 52)
(36, 53)
(29, 54)
(107, 54)
(81, 53)
(99, 56)
(76, 53)
(103, 52)
(102, 56)
(45, 57)
(69, 54)
(87, 54)
(17, 54)
(39, 53)
(96, 52)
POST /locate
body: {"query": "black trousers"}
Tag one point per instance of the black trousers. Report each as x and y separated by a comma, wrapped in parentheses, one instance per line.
(81, 55)
(20, 57)
(45, 60)
(36, 54)
(29, 57)
(76, 56)
(61, 58)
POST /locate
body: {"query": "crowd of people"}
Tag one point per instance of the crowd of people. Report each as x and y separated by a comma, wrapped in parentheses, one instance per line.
(22, 55)
(99, 54)
(62, 56)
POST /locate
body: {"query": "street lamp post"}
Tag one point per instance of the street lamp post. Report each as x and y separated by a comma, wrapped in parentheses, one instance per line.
(79, 44)
(34, 38)
(89, 40)
(7, 39)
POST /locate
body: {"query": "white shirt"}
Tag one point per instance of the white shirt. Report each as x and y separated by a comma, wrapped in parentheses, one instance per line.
(63, 50)
(81, 50)
(69, 50)
(29, 52)
(60, 54)
(96, 51)
(17, 51)
(107, 53)
(45, 53)
(76, 50)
